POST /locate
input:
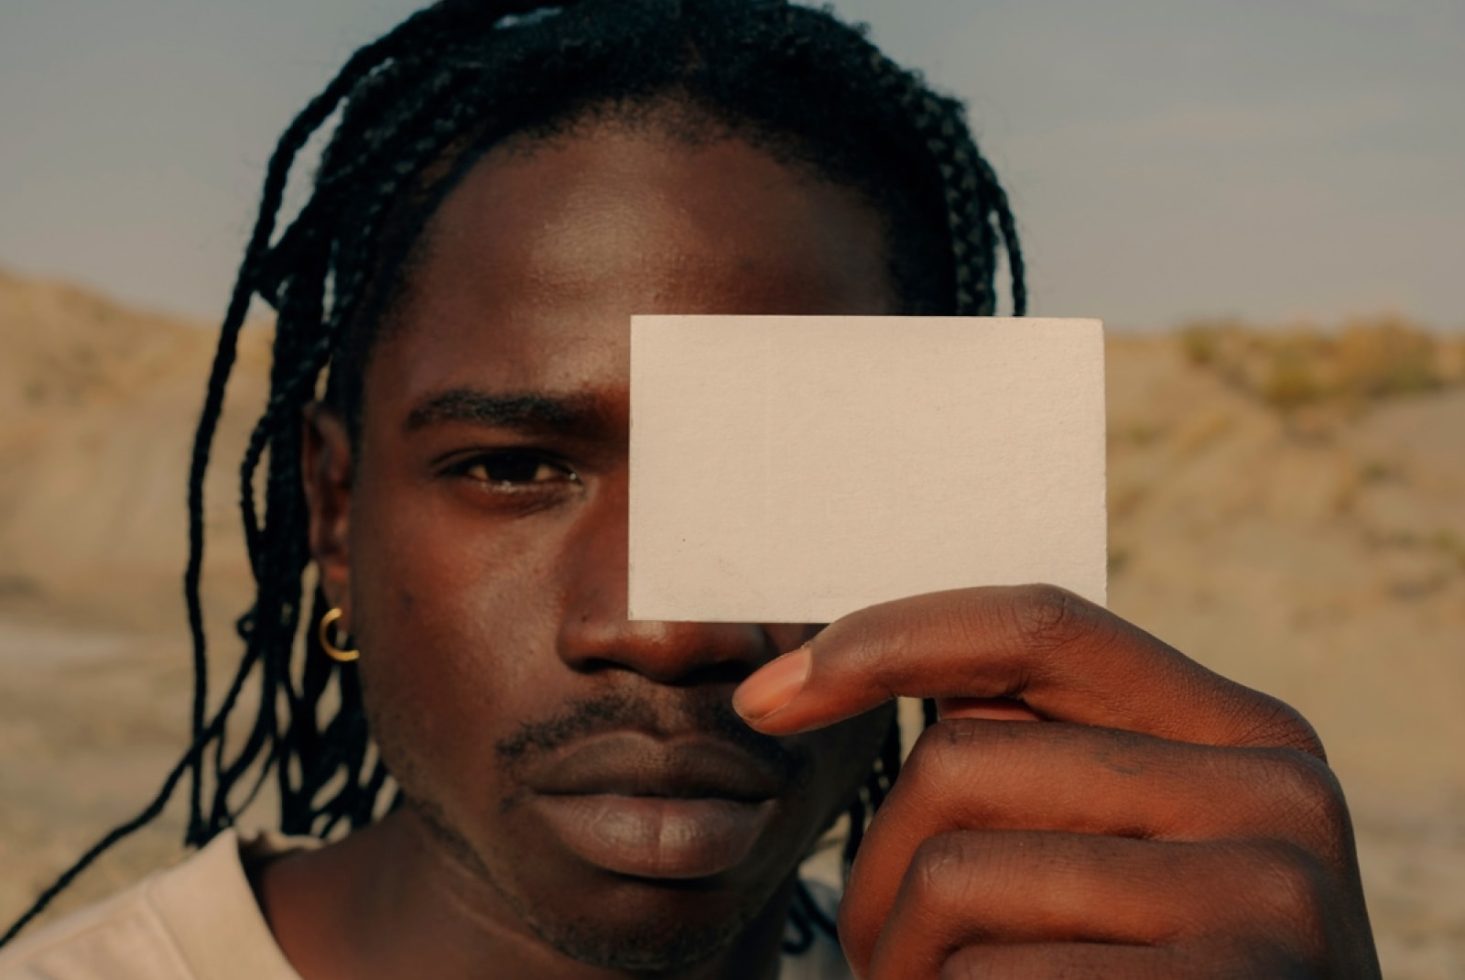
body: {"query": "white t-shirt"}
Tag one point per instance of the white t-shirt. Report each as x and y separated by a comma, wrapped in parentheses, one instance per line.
(199, 921)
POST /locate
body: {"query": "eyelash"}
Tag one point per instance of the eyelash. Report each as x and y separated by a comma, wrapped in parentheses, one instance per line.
(487, 460)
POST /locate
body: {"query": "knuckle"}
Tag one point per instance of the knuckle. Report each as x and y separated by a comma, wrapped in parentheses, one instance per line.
(1313, 787)
(1293, 889)
(1050, 617)
(1304, 737)
(935, 878)
(1311, 797)
(952, 754)
(1273, 722)
(932, 759)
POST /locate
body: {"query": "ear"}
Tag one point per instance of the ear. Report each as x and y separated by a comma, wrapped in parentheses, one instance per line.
(325, 467)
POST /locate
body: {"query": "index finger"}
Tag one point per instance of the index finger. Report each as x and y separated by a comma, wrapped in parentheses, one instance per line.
(1062, 656)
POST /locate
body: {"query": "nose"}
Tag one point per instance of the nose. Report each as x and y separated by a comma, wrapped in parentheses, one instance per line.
(596, 634)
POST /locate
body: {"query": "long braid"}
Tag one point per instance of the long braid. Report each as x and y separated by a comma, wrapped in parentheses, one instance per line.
(284, 502)
(964, 187)
(280, 578)
(276, 175)
(417, 108)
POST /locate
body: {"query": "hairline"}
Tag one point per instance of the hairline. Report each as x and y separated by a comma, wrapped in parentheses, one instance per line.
(673, 112)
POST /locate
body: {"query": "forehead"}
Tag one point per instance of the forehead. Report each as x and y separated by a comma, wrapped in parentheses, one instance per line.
(531, 268)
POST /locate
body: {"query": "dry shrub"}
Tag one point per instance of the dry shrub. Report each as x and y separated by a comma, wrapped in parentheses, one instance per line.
(1384, 357)
(1361, 361)
(1201, 343)
(1291, 381)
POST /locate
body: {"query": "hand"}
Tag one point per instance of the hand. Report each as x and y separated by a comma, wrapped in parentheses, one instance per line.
(1159, 821)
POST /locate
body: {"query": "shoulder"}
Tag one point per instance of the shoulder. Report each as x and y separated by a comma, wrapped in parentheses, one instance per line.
(195, 921)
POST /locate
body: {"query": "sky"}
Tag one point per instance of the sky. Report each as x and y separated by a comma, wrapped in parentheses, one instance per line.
(1166, 159)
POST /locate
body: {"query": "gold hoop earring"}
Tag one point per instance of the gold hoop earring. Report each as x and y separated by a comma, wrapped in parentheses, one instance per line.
(324, 633)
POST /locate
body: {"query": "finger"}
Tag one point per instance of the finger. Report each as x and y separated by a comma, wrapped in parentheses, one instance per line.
(993, 709)
(1072, 961)
(1063, 657)
(985, 775)
(1004, 887)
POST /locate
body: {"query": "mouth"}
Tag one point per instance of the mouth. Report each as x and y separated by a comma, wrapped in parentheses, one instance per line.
(657, 836)
(635, 805)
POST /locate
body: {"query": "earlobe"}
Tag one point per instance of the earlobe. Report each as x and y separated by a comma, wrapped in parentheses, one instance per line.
(326, 471)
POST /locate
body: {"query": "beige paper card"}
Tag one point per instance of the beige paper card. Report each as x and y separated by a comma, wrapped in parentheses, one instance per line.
(794, 469)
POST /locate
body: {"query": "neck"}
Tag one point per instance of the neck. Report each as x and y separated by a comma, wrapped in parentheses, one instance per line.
(391, 900)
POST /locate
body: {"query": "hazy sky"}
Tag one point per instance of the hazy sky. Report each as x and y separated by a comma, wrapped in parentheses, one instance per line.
(1166, 158)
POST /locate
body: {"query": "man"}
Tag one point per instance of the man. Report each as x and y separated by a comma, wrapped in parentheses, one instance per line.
(586, 796)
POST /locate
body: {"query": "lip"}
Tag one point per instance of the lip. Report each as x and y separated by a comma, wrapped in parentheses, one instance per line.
(677, 808)
(631, 763)
(657, 836)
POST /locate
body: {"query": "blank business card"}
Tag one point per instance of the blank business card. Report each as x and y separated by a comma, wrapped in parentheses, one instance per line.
(791, 469)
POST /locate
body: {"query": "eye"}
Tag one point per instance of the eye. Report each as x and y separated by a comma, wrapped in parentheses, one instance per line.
(512, 469)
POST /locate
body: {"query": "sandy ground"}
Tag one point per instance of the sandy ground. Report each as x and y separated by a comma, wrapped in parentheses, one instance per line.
(1320, 557)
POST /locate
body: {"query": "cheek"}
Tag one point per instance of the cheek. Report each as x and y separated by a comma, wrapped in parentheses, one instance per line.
(456, 628)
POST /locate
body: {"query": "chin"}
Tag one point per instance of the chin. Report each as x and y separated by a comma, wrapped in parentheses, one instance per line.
(628, 923)
(616, 921)
(648, 942)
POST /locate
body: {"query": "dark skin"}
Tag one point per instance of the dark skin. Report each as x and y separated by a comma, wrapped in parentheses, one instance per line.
(1160, 821)
(488, 590)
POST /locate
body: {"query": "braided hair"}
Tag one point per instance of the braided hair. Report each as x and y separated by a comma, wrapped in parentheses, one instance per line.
(417, 108)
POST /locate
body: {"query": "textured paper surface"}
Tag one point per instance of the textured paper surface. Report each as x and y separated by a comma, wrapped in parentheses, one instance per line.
(794, 469)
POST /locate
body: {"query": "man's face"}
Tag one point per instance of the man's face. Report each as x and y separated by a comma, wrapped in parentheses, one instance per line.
(588, 770)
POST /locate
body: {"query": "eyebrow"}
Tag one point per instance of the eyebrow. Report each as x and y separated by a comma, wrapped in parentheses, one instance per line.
(528, 411)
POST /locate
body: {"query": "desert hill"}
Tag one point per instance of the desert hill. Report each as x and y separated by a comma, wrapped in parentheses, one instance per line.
(1287, 507)
(97, 409)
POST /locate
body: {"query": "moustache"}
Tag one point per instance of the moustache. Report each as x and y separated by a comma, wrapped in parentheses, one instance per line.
(710, 716)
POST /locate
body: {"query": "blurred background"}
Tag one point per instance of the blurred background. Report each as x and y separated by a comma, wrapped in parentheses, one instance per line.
(1264, 202)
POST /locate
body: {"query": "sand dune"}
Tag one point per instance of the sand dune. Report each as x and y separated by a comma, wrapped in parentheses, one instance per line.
(1306, 537)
